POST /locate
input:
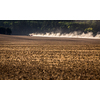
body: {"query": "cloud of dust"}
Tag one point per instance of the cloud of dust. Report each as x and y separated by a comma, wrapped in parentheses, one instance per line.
(74, 34)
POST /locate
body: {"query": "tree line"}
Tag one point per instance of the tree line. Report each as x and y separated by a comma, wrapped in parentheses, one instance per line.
(4, 30)
(24, 27)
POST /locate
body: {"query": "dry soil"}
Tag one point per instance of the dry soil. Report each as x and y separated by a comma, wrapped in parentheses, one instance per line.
(49, 58)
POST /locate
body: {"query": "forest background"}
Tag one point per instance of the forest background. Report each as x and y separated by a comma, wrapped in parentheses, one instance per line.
(24, 27)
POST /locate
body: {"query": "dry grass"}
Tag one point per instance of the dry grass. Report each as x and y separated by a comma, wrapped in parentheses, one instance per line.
(24, 57)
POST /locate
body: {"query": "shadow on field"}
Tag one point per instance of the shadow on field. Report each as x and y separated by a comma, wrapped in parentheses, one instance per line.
(50, 40)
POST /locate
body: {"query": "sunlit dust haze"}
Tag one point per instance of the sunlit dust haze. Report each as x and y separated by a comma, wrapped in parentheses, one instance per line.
(74, 34)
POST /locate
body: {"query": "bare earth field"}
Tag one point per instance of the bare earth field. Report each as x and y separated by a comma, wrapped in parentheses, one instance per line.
(41, 58)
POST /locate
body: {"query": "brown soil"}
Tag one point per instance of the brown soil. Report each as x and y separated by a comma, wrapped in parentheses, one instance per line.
(36, 58)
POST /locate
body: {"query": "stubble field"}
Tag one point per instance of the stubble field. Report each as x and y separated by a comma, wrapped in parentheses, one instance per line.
(41, 58)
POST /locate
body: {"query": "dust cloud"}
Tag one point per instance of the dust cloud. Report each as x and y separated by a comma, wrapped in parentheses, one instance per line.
(74, 34)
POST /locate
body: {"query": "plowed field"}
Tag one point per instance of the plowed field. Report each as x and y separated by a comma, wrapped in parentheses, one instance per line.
(41, 58)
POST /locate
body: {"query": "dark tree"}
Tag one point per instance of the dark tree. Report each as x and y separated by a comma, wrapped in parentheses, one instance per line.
(2, 30)
(8, 31)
